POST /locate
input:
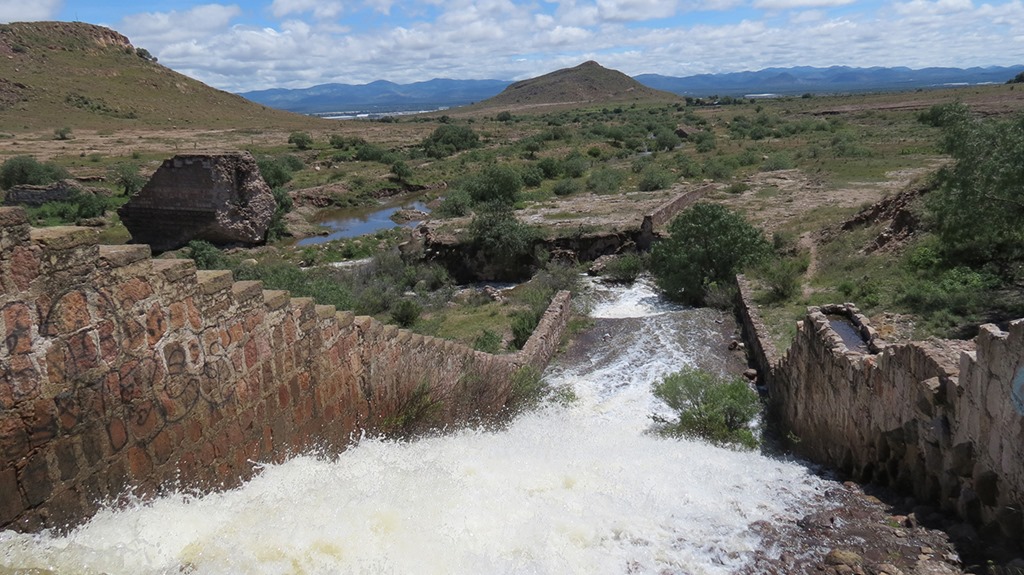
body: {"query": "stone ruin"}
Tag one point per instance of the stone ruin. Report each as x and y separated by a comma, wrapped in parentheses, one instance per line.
(35, 196)
(220, 198)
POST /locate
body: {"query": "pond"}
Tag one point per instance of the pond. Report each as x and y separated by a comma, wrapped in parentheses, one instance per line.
(354, 222)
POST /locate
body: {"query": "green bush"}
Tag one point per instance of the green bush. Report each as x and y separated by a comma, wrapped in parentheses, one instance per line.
(456, 203)
(497, 183)
(282, 205)
(301, 140)
(704, 141)
(503, 240)
(63, 133)
(566, 187)
(575, 166)
(276, 172)
(77, 206)
(532, 175)
(550, 167)
(21, 170)
(448, 139)
(719, 168)
(488, 342)
(709, 407)
(654, 178)
(782, 276)
(406, 312)
(707, 244)
(523, 324)
(605, 180)
(401, 171)
(206, 255)
(625, 268)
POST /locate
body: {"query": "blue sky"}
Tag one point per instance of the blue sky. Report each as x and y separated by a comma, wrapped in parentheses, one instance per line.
(257, 44)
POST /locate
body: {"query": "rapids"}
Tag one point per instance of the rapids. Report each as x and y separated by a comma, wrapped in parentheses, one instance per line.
(578, 486)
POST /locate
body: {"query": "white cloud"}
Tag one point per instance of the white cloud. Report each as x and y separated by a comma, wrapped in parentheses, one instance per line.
(928, 7)
(29, 10)
(635, 10)
(157, 28)
(791, 4)
(319, 8)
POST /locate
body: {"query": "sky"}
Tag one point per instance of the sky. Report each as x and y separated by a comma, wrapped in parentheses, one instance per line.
(259, 44)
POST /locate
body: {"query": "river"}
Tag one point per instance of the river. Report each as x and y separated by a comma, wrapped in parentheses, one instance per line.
(573, 487)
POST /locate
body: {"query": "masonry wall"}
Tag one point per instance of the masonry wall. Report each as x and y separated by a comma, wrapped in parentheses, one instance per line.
(121, 371)
(941, 419)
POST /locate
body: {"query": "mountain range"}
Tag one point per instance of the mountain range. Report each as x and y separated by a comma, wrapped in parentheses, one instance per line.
(383, 96)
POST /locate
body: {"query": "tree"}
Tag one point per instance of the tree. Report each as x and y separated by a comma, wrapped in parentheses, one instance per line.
(1018, 79)
(708, 244)
(978, 207)
(302, 140)
(448, 139)
(497, 183)
(504, 242)
(401, 171)
(126, 176)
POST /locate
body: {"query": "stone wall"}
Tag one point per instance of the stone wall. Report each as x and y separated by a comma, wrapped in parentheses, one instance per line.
(120, 371)
(36, 196)
(940, 419)
(664, 213)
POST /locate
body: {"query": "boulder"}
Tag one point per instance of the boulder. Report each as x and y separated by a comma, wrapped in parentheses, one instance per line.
(220, 198)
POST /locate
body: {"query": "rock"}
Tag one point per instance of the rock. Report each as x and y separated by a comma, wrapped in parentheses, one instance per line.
(843, 557)
(220, 198)
(30, 195)
(750, 374)
(886, 569)
(405, 216)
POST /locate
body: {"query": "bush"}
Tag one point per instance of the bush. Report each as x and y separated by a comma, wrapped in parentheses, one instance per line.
(782, 276)
(504, 116)
(707, 244)
(401, 171)
(502, 240)
(625, 268)
(550, 167)
(575, 166)
(778, 161)
(77, 206)
(704, 141)
(488, 342)
(21, 170)
(448, 139)
(523, 324)
(206, 255)
(566, 187)
(497, 183)
(406, 312)
(709, 407)
(63, 133)
(277, 172)
(302, 140)
(605, 180)
(532, 176)
(654, 178)
(719, 168)
(283, 205)
(456, 203)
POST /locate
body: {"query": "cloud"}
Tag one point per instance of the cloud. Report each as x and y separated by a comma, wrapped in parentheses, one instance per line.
(29, 10)
(635, 10)
(319, 8)
(158, 28)
(791, 4)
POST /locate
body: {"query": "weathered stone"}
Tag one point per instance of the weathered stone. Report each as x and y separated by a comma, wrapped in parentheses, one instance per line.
(220, 198)
(33, 195)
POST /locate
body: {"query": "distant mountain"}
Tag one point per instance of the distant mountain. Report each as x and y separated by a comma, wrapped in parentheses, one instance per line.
(77, 75)
(837, 79)
(379, 96)
(593, 82)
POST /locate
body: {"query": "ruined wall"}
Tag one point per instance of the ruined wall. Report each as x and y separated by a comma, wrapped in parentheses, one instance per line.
(664, 213)
(118, 370)
(941, 419)
(61, 191)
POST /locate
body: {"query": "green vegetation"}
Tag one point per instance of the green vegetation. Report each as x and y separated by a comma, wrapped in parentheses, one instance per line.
(503, 241)
(21, 170)
(448, 139)
(709, 407)
(301, 140)
(125, 175)
(708, 244)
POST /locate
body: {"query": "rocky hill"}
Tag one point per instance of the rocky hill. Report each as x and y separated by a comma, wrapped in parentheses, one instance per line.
(77, 75)
(586, 84)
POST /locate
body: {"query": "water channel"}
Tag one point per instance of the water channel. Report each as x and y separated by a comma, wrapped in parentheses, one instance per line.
(354, 222)
(577, 487)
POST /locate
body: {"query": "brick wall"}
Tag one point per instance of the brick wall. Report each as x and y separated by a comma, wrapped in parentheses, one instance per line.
(940, 419)
(120, 371)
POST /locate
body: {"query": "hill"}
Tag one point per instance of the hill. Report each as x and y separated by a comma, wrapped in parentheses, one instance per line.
(586, 84)
(77, 75)
(832, 80)
(379, 96)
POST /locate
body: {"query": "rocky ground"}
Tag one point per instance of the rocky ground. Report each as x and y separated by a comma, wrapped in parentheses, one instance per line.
(865, 530)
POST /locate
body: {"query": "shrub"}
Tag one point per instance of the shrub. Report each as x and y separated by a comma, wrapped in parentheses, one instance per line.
(666, 139)
(575, 166)
(456, 203)
(503, 240)
(401, 171)
(719, 168)
(707, 244)
(523, 324)
(605, 180)
(704, 141)
(710, 407)
(625, 268)
(550, 167)
(497, 183)
(488, 342)
(532, 176)
(406, 312)
(566, 187)
(504, 116)
(282, 205)
(276, 172)
(77, 206)
(21, 170)
(654, 178)
(205, 254)
(301, 140)
(62, 133)
(448, 139)
(782, 276)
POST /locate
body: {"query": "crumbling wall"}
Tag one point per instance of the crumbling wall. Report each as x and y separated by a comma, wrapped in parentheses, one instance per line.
(121, 371)
(941, 419)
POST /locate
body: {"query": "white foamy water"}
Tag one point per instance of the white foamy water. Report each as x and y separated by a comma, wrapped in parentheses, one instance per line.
(579, 488)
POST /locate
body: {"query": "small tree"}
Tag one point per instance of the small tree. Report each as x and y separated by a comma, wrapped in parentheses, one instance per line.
(448, 139)
(497, 183)
(401, 171)
(62, 133)
(126, 176)
(708, 244)
(302, 140)
(710, 407)
(27, 170)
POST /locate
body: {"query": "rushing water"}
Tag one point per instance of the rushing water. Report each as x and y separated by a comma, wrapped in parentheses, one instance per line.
(573, 487)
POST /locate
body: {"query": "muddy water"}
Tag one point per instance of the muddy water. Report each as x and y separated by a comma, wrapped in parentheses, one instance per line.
(572, 487)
